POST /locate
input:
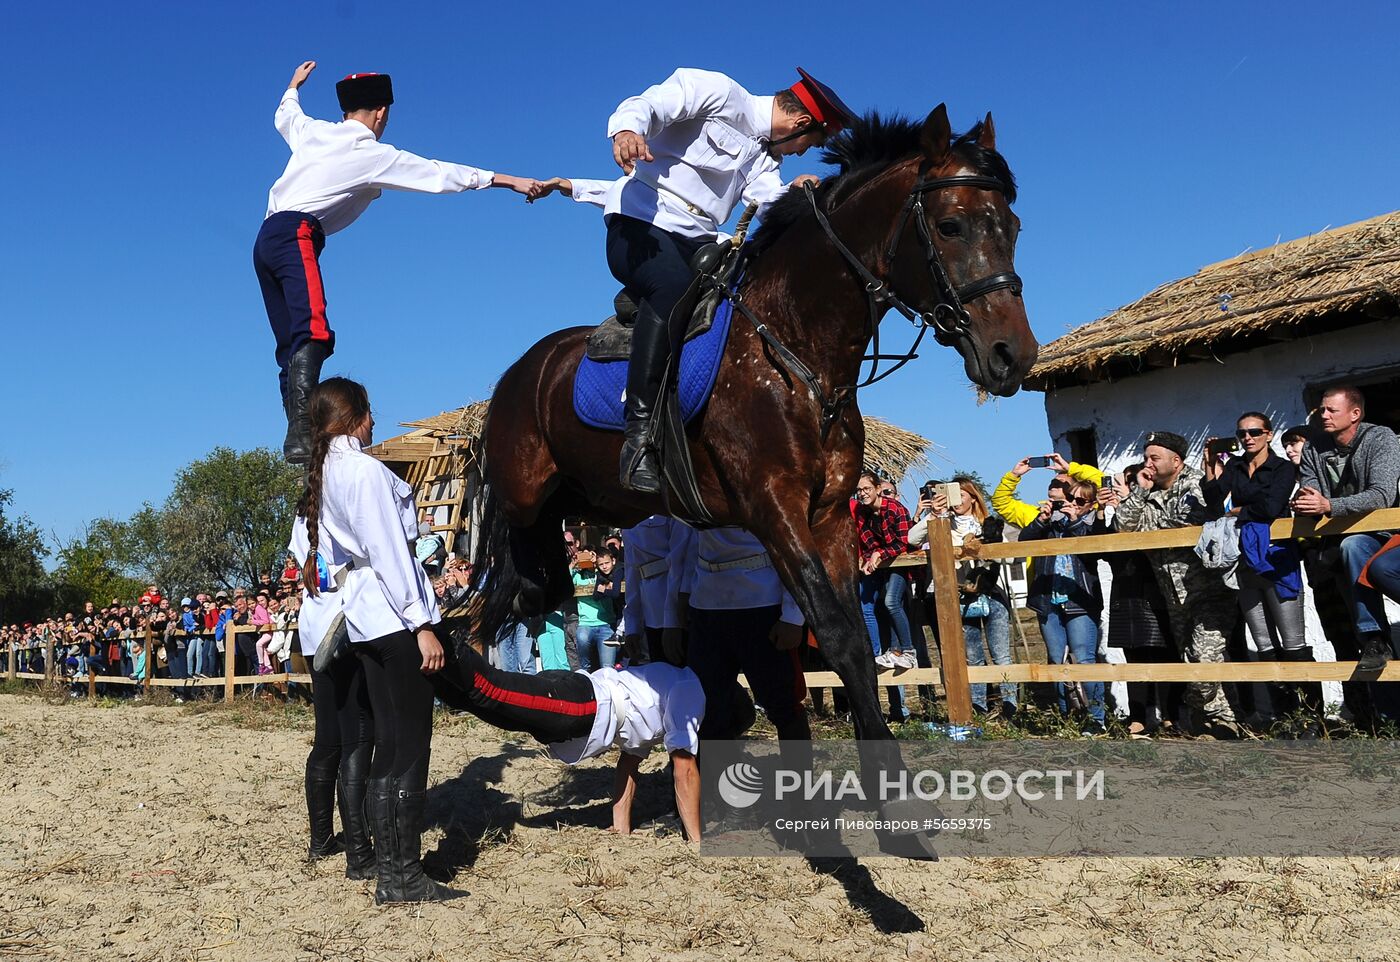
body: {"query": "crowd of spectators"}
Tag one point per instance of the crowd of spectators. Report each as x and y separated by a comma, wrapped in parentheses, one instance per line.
(1237, 594)
(154, 636)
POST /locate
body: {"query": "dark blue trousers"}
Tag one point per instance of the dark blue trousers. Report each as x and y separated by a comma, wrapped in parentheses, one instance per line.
(723, 644)
(286, 256)
(652, 264)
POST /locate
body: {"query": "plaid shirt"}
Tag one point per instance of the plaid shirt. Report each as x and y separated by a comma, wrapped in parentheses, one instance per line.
(885, 530)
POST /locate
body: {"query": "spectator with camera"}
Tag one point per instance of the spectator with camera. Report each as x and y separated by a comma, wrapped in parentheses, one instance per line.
(986, 607)
(1247, 480)
(1020, 513)
(1166, 493)
(1066, 597)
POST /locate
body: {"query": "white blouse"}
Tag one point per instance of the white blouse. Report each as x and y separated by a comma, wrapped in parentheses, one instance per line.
(368, 523)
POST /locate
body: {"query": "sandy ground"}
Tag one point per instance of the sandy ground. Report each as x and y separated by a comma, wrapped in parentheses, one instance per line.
(157, 832)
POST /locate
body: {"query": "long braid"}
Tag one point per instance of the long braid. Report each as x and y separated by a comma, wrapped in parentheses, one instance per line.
(337, 406)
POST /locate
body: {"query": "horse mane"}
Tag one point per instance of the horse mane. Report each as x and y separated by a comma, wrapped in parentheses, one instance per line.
(870, 145)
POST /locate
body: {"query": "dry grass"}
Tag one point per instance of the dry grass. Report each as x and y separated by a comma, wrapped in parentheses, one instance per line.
(1333, 277)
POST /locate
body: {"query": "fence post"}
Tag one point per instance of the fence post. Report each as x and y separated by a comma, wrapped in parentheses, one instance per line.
(952, 653)
(48, 657)
(12, 666)
(230, 648)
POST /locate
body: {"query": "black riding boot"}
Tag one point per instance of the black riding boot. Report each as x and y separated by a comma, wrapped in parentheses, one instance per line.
(303, 374)
(397, 817)
(359, 850)
(320, 805)
(651, 349)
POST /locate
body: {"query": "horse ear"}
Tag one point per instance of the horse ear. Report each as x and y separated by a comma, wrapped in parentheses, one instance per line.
(988, 136)
(936, 135)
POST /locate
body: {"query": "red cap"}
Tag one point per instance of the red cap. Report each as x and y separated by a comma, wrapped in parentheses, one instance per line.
(826, 108)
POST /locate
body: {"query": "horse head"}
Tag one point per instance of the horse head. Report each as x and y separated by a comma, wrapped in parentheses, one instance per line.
(954, 263)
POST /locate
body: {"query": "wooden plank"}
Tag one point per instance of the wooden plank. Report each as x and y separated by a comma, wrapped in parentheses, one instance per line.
(1186, 671)
(1386, 519)
(952, 654)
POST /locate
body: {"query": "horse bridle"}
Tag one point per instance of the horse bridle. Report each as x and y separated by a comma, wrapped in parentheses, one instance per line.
(949, 317)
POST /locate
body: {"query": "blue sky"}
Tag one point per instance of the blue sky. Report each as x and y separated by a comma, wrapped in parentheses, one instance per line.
(1148, 139)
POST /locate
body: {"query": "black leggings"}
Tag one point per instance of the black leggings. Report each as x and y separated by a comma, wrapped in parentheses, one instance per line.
(553, 706)
(342, 709)
(401, 697)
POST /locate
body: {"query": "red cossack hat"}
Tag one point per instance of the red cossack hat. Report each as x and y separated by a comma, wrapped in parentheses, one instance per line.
(827, 109)
(364, 91)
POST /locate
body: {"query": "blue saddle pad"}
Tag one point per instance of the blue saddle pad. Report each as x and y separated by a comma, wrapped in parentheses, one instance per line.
(599, 385)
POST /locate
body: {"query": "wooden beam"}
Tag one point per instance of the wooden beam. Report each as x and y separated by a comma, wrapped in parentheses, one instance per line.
(952, 653)
(1186, 671)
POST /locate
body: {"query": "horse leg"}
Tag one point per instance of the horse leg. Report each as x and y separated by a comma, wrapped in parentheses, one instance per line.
(817, 562)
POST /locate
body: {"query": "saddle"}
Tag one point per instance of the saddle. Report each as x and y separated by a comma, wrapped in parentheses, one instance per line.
(715, 266)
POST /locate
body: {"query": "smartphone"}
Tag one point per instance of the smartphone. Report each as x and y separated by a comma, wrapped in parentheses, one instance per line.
(1041, 462)
(1223, 446)
(953, 492)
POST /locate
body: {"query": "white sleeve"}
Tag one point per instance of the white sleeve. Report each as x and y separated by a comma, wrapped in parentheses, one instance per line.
(373, 513)
(765, 187)
(289, 119)
(918, 533)
(593, 192)
(685, 94)
(395, 169)
(300, 545)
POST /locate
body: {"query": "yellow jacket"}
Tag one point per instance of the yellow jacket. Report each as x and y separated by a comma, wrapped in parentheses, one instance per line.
(1020, 513)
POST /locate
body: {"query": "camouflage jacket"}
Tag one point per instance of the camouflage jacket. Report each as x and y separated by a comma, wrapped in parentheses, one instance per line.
(1180, 506)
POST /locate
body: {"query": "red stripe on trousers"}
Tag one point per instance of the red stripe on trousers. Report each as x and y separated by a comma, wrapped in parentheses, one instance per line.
(320, 331)
(554, 706)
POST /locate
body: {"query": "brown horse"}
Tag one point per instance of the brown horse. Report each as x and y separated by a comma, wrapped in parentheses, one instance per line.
(926, 225)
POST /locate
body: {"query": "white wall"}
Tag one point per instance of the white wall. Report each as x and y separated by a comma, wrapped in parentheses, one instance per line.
(1202, 399)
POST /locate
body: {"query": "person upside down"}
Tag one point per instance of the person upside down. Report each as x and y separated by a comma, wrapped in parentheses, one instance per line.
(579, 715)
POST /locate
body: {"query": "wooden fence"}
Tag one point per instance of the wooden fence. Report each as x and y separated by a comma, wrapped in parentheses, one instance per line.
(228, 681)
(955, 675)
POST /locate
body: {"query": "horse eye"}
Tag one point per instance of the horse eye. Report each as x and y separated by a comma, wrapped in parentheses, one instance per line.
(950, 228)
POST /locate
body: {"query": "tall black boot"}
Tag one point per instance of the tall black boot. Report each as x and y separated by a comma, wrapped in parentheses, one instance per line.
(400, 819)
(303, 374)
(651, 349)
(320, 804)
(359, 850)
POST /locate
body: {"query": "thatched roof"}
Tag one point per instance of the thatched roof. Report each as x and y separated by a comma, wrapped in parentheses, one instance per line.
(889, 450)
(1318, 283)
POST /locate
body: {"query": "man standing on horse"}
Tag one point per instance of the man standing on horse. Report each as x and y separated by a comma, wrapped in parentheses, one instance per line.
(336, 171)
(694, 147)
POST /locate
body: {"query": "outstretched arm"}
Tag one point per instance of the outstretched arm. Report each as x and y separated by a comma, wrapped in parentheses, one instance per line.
(624, 790)
(685, 94)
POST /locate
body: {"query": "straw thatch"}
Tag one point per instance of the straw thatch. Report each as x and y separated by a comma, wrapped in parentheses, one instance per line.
(889, 450)
(1334, 279)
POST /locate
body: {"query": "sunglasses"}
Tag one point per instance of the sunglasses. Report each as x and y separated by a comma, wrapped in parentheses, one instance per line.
(1082, 502)
(1243, 433)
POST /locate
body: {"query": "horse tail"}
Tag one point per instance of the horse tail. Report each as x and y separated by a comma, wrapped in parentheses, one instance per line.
(505, 576)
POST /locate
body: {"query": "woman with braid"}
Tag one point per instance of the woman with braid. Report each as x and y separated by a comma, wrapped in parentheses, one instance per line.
(353, 538)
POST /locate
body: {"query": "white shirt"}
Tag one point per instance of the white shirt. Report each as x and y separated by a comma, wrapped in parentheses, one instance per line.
(339, 169)
(368, 518)
(639, 708)
(593, 192)
(705, 134)
(738, 587)
(655, 572)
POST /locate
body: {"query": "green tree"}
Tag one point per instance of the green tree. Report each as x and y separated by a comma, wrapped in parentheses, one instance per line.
(247, 498)
(24, 585)
(86, 572)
